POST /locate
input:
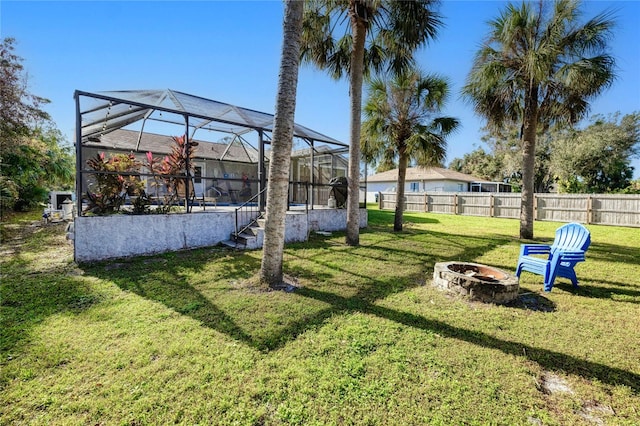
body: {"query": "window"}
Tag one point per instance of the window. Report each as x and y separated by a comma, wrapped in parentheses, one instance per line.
(415, 186)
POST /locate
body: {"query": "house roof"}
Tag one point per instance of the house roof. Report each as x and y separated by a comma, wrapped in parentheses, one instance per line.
(426, 174)
(103, 112)
(127, 140)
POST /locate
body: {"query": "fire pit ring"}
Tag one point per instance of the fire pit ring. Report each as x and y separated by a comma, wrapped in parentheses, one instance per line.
(476, 282)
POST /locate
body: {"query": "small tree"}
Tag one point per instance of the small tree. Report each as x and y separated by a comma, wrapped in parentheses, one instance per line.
(377, 34)
(34, 156)
(479, 163)
(403, 122)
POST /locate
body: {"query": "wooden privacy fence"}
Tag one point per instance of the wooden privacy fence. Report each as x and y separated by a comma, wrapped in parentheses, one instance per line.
(601, 209)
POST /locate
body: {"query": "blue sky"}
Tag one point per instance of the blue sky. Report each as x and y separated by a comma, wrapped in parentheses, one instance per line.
(229, 51)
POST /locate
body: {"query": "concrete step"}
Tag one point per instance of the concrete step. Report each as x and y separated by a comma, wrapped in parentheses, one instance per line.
(254, 230)
(232, 244)
(250, 240)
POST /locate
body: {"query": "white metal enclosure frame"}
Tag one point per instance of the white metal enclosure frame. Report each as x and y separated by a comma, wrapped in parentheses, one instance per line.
(103, 112)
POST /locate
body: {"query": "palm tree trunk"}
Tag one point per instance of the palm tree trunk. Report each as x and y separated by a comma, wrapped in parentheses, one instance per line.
(528, 165)
(277, 188)
(402, 174)
(359, 32)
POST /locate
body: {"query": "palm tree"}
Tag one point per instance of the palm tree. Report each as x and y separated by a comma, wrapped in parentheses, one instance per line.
(282, 141)
(369, 35)
(402, 125)
(539, 68)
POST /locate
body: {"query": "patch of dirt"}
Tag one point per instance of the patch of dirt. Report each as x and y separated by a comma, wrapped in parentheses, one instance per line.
(154, 260)
(591, 410)
(115, 266)
(56, 257)
(14, 235)
(551, 384)
(254, 285)
(532, 302)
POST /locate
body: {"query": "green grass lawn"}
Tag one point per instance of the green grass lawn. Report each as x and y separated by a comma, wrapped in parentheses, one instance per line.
(182, 338)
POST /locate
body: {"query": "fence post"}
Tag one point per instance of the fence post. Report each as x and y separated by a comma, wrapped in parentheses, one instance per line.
(535, 207)
(425, 204)
(589, 209)
(491, 205)
(455, 204)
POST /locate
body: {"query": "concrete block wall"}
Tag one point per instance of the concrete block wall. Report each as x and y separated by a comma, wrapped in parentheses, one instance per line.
(107, 237)
(104, 237)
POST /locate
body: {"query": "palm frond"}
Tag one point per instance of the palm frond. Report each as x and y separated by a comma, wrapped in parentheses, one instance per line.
(402, 116)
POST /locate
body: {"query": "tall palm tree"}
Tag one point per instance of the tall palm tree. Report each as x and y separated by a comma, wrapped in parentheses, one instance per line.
(352, 37)
(282, 141)
(537, 68)
(402, 124)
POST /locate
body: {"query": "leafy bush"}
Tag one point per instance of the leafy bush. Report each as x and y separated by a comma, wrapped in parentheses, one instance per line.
(170, 171)
(118, 177)
(8, 194)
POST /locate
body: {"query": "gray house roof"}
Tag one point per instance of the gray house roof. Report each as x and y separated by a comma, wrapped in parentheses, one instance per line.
(127, 141)
(424, 174)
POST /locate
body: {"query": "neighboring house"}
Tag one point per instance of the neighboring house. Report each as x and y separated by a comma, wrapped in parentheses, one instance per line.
(432, 179)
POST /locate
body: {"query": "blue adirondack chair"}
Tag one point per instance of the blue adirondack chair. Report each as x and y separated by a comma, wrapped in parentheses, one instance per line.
(558, 259)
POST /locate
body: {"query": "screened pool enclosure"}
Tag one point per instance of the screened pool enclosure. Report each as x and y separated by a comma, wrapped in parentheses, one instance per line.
(223, 150)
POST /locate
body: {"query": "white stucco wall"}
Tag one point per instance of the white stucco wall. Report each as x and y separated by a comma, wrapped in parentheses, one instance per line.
(296, 227)
(107, 237)
(333, 219)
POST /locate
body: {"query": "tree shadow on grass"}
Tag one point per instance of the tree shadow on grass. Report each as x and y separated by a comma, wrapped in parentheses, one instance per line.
(172, 287)
(617, 294)
(614, 253)
(384, 218)
(29, 301)
(33, 290)
(548, 359)
(165, 280)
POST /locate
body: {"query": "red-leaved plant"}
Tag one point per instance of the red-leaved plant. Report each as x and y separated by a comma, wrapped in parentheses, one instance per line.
(170, 171)
(117, 175)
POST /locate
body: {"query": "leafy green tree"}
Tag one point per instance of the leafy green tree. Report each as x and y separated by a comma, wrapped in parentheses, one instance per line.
(354, 37)
(633, 188)
(481, 164)
(402, 122)
(538, 67)
(36, 164)
(598, 158)
(34, 156)
(506, 146)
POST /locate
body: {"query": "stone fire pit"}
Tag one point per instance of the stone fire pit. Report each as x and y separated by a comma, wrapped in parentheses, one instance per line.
(476, 282)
